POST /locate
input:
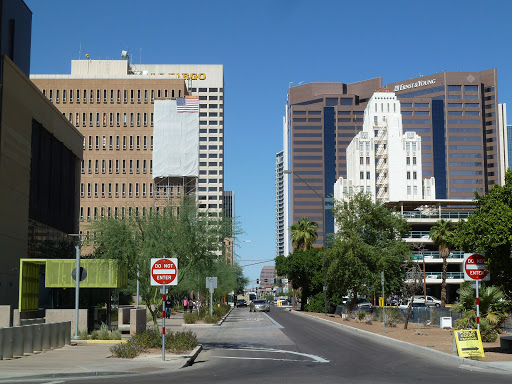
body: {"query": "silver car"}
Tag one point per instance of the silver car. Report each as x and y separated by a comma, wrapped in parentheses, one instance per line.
(260, 305)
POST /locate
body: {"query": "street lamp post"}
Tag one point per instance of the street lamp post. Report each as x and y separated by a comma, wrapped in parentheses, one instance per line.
(289, 172)
(78, 276)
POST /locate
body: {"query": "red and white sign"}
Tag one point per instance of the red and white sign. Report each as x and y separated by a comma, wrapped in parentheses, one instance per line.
(475, 267)
(164, 271)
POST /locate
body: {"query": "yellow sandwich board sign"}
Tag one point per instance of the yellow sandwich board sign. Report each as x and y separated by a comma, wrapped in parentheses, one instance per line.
(469, 343)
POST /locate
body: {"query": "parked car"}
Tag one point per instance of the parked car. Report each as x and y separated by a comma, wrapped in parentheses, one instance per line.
(241, 303)
(431, 300)
(415, 304)
(259, 305)
(364, 305)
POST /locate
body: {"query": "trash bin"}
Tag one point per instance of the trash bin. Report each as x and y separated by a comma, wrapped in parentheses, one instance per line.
(445, 322)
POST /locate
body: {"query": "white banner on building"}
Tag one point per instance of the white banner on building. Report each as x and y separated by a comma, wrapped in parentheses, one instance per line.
(175, 141)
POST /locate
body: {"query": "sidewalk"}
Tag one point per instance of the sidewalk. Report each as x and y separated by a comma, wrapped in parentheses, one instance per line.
(82, 358)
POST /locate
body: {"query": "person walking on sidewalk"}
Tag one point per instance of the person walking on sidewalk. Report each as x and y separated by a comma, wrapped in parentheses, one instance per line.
(185, 305)
(168, 307)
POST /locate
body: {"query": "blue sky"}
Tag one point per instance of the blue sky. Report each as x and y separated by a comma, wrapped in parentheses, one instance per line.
(264, 45)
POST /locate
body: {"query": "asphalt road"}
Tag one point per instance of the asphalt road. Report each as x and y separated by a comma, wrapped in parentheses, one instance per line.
(291, 348)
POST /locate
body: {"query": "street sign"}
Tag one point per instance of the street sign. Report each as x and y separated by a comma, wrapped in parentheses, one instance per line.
(475, 267)
(164, 271)
(211, 282)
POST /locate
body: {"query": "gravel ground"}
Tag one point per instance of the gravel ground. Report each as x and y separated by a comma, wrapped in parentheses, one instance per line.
(419, 334)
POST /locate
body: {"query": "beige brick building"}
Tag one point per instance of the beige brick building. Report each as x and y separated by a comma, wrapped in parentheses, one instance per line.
(111, 102)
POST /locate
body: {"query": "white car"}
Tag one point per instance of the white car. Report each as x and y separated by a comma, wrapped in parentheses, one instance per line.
(431, 300)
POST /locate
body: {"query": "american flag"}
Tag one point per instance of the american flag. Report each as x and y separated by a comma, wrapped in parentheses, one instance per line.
(187, 104)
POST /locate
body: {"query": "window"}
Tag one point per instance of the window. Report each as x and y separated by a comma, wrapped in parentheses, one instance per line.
(368, 175)
(138, 142)
(77, 95)
(361, 175)
(123, 190)
(104, 142)
(104, 95)
(151, 118)
(110, 166)
(151, 143)
(138, 95)
(118, 119)
(110, 142)
(408, 161)
(143, 166)
(118, 95)
(414, 175)
(96, 166)
(414, 160)
(89, 168)
(137, 169)
(124, 142)
(97, 119)
(64, 96)
(138, 119)
(152, 95)
(124, 166)
(131, 166)
(361, 160)
(408, 175)
(131, 142)
(144, 145)
(125, 95)
(145, 95)
(145, 119)
(111, 95)
(117, 166)
(132, 95)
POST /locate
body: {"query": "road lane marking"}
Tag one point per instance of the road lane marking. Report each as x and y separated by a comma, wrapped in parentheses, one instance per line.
(273, 321)
(317, 359)
(253, 358)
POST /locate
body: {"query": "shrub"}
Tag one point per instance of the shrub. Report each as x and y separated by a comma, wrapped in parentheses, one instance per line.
(190, 318)
(103, 333)
(179, 342)
(116, 335)
(83, 334)
(212, 319)
(361, 315)
(148, 339)
(127, 350)
(316, 303)
(94, 335)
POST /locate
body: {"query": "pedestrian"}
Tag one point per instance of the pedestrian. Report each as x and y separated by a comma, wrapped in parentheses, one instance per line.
(168, 307)
(185, 305)
(191, 305)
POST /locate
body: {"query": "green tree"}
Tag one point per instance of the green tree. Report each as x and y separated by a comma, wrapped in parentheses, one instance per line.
(442, 236)
(304, 270)
(183, 232)
(493, 309)
(367, 242)
(489, 231)
(304, 233)
(241, 280)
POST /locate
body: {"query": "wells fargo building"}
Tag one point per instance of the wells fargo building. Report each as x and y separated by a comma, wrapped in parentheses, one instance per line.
(111, 102)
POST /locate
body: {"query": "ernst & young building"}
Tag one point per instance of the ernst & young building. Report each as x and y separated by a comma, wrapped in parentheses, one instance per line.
(456, 114)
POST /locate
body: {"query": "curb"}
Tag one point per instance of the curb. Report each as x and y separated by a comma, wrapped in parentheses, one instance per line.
(190, 359)
(97, 341)
(414, 347)
(218, 323)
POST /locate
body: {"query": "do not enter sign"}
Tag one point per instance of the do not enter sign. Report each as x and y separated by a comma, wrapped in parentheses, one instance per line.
(475, 267)
(164, 271)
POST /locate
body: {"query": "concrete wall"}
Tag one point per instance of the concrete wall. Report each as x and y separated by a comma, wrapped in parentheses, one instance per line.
(5, 316)
(59, 315)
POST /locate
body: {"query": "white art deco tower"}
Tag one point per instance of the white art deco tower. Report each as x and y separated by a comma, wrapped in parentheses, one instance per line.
(382, 160)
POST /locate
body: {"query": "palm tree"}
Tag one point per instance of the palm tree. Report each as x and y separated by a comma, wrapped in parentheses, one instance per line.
(493, 309)
(304, 233)
(442, 236)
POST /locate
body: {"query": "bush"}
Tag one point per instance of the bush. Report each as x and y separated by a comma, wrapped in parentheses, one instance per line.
(103, 333)
(127, 350)
(361, 315)
(212, 319)
(179, 342)
(148, 339)
(94, 335)
(116, 335)
(175, 342)
(190, 318)
(83, 334)
(316, 303)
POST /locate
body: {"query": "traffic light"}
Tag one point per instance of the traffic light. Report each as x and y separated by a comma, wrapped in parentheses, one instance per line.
(257, 281)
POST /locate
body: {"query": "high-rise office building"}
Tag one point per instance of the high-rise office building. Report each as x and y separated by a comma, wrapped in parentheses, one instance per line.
(509, 145)
(454, 113)
(112, 103)
(279, 185)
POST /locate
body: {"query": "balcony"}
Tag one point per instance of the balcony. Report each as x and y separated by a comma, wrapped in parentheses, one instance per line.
(437, 277)
(433, 256)
(434, 214)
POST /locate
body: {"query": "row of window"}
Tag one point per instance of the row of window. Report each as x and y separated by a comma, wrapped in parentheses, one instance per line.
(124, 119)
(127, 142)
(137, 166)
(121, 212)
(128, 190)
(106, 95)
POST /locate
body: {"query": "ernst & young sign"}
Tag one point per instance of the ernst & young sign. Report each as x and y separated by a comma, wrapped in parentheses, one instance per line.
(419, 83)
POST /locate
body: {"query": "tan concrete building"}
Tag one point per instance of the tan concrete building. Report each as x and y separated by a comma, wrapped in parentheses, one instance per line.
(112, 103)
(40, 154)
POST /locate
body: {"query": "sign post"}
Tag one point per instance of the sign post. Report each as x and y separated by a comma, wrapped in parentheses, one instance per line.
(211, 284)
(475, 269)
(164, 272)
(383, 301)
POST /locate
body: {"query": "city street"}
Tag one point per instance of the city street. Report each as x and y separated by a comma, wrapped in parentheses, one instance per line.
(288, 347)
